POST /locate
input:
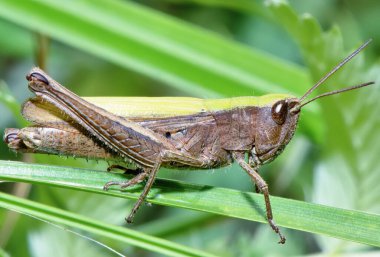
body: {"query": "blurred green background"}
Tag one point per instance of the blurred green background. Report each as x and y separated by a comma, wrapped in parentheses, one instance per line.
(203, 48)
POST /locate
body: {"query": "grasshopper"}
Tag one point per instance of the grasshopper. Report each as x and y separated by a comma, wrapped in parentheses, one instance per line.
(203, 134)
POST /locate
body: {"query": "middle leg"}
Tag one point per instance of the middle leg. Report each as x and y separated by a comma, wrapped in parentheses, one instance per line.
(262, 185)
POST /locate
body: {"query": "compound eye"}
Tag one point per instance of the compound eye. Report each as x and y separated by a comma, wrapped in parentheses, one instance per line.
(37, 76)
(280, 111)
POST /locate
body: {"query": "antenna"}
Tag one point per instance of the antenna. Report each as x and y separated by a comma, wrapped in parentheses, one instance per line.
(337, 92)
(336, 68)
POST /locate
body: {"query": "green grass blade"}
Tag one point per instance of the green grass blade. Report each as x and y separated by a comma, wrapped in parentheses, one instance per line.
(105, 230)
(140, 39)
(345, 224)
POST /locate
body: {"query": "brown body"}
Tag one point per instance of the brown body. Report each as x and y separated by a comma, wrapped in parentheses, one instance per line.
(211, 136)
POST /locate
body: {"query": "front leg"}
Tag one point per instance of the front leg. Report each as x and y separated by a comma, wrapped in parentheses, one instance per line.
(254, 162)
(262, 185)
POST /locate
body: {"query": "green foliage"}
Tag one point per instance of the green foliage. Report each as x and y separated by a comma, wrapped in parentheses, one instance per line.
(7, 99)
(358, 227)
(95, 227)
(130, 29)
(119, 43)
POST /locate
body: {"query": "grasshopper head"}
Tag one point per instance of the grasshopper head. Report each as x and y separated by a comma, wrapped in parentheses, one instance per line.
(277, 126)
(278, 123)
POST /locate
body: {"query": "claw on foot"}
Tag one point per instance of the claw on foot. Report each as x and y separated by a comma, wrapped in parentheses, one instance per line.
(129, 219)
(108, 184)
(277, 230)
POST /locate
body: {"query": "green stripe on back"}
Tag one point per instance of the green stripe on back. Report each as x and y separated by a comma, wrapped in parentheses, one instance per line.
(150, 107)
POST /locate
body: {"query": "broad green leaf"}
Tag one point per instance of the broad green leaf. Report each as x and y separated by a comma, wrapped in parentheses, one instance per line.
(123, 32)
